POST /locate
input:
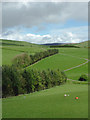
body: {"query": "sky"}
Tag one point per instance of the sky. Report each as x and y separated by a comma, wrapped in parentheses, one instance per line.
(45, 22)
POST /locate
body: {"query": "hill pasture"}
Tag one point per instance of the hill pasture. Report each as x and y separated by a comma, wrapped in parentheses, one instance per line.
(12, 48)
(49, 103)
(66, 59)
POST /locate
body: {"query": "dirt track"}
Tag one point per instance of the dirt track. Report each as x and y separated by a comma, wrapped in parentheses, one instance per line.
(76, 66)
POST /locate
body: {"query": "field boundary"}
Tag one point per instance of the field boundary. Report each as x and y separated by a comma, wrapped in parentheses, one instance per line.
(68, 68)
(39, 61)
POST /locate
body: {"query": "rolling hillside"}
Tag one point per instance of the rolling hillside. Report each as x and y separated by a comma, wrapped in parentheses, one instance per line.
(12, 48)
(83, 44)
(66, 59)
(75, 45)
(50, 103)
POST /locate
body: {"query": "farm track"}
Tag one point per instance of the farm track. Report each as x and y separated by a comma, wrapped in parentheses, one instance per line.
(71, 67)
(76, 66)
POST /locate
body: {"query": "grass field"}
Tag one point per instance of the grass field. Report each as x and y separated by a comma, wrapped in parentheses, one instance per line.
(11, 52)
(67, 58)
(49, 103)
(77, 72)
(12, 48)
(76, 52)
(57, 61)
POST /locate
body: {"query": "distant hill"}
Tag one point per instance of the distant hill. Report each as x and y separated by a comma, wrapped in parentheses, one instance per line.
(53, 44)
(5, 42)
(83, 44)
(76, 45)
(14, 43)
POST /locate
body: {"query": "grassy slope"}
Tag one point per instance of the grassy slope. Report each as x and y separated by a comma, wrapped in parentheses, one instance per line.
(76, 52)
(57, 61)
(11, 48)
(49, 103)
(68, 57)
(83, 44)
(77, 72)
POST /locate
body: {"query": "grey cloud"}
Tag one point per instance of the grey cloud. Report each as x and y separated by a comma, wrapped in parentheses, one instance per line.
(34, 14)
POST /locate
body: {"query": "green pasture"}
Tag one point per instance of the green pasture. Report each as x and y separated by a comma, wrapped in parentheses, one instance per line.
(76, 52)
(77, 72)
(83, 44)
(11, 48)
(57, 61)
(49, 103)
(11, 51)
(8, 55)
(16, 43)
(67, 58)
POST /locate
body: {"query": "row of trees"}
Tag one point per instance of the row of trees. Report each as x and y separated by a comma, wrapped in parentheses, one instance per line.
(66, 45)
(15, 81)
(24, 60)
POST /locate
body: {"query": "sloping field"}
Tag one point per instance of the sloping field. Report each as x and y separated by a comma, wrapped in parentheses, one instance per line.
(12, 48)
(77, 72)
(49, 103)
(83, 44)
(68, 58)
(58, 61)
(75, 52)
(7, 56)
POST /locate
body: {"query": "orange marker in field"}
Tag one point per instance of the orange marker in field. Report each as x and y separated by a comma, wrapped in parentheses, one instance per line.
(76, 98)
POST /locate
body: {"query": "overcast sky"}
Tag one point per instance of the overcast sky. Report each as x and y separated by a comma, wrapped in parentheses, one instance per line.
(45, 22)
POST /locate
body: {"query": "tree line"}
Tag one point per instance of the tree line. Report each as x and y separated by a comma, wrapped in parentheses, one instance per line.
(17, 81)
(66, 45)
(23, 60)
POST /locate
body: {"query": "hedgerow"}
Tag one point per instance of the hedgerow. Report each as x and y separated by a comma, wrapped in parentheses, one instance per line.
(24, 60)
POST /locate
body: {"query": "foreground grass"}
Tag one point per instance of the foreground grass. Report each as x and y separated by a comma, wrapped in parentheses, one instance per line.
(49, 103)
